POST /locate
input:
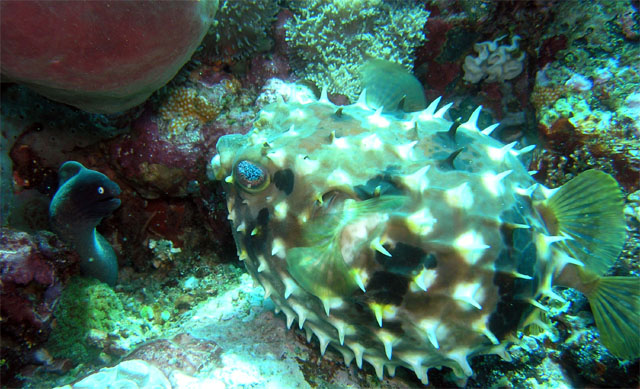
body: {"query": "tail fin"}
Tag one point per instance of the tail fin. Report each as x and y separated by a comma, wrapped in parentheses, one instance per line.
(615, 302)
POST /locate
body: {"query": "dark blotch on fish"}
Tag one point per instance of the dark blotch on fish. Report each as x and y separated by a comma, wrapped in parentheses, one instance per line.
(263, 217)
(378, 186)
(387, 288)
(510, 308)
(284, 180)
(405, 259)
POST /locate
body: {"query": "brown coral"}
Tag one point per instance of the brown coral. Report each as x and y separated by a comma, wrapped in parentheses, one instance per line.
(544, 96)
(572, 149)
(185, 106)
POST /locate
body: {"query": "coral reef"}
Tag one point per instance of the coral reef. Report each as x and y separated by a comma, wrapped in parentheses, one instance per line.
(161, 192)
(97, 326)
(38, 136)
(275, 89)
(163, 153)
(228, 317)
(184, 308)
(104, 57)
(152, 164)
(564, 352)
(87, 315)
(147, 321)
(586, 100)
(494, 62)
(453, 28)
(328, 41)
(263, 68)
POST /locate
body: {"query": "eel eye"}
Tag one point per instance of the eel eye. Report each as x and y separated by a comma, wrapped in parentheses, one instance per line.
(251, 176)
(100, 190)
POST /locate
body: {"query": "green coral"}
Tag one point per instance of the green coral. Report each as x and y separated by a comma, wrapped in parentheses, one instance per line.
(329, 40)
(590, 27)
(241, 29)
(86, 308)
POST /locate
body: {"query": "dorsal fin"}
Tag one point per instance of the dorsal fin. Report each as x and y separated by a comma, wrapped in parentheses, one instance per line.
(400, 107)
(67, 170)
(453, 129)
(447, 163)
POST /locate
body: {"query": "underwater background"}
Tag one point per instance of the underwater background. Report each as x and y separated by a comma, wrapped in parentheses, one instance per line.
(122, 251)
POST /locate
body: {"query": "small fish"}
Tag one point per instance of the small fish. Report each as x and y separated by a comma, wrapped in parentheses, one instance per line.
(389, 86)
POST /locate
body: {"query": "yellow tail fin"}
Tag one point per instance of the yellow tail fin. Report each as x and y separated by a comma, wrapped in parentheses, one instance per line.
(615, 302)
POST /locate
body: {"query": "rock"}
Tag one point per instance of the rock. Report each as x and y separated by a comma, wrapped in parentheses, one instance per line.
(33, 269)
(128, 374)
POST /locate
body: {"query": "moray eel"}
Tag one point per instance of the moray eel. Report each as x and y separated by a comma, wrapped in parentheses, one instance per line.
(410, 240)
(83, 198)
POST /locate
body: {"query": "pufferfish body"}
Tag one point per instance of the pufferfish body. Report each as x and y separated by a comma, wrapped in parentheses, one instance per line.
(406, 239)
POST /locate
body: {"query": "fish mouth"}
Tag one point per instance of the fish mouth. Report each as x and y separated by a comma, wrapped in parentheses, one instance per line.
(109, 204)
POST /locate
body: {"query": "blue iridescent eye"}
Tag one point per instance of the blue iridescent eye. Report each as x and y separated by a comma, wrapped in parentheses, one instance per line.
(251, 176)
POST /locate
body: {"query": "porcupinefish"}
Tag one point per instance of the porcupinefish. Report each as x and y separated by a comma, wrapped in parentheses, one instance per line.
(407, 239)
(83, 199)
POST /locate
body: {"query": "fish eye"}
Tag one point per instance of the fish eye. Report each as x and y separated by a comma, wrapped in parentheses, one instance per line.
(100, 190)
(250, 176)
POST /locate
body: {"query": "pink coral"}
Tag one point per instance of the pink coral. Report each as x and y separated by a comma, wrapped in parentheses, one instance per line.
(152, 164)
(33, 268)
(183, 353)
(579, 83)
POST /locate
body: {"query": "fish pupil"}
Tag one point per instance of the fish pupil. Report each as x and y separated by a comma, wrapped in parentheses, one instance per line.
(250, 175)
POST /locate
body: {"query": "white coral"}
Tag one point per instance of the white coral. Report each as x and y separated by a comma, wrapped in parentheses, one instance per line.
(275, 88)
(494, 62)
